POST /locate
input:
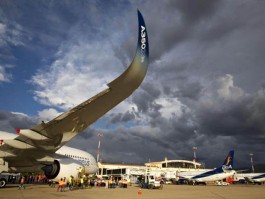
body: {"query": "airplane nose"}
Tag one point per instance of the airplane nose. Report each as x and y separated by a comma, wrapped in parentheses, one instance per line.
(92, 169)
(96, 169)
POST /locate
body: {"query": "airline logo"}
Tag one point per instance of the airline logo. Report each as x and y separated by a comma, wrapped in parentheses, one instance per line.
(85, 162)
(227, 165)
(143, 43)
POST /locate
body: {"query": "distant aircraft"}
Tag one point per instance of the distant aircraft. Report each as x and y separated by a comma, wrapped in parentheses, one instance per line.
(41, 147)
(255, 178)
(220, 173)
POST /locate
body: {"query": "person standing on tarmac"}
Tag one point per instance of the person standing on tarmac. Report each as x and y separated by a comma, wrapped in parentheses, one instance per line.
(21, 183)
(64, 184)
(60, 185)
(82, 182)
(70, 183)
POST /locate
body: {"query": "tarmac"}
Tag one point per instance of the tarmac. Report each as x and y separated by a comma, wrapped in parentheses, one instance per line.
(133, 192)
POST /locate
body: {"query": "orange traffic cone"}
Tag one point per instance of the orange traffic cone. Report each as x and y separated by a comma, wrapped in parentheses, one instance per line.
(139, 192)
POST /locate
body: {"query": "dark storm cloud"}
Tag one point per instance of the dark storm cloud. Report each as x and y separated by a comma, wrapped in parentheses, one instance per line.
(171, 22)
(191, 90)
(139, 144)
(234, 124)
(128, 117)
(119, 117)
(11, 121)
(224, 125)
(151, 89)
(131, 146)
(88, 134)
(144, 98)
(229, 36)
(194, 11)
(116, 118)
(242, 118)
(43, 25)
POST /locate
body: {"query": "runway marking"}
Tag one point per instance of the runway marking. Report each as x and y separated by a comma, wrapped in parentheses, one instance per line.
(219, 196)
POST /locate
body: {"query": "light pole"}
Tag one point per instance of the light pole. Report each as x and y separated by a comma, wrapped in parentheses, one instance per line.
(194, 155)
(251, 160)
(99, 137)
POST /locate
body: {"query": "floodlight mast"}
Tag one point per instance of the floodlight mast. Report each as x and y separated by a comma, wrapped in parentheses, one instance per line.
(99, 138)
(194, 155)
(251, 160)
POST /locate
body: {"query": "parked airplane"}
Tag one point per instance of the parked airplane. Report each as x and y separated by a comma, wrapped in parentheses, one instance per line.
(220, 173)
(41, 147)
(255, 178)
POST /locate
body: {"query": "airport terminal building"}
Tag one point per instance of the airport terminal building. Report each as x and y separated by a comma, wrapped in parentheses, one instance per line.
(167, 169)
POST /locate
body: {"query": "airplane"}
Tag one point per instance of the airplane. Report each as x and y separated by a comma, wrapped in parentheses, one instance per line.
(220, 173)
(42, 146)
(255, 178)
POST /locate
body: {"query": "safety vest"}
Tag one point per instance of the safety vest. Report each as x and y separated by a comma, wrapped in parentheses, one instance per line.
(61, 183)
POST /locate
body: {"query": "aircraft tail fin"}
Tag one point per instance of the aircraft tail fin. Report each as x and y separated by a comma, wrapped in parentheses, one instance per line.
(228, 163)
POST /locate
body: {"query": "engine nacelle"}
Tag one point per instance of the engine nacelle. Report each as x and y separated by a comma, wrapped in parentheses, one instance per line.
(62, 168)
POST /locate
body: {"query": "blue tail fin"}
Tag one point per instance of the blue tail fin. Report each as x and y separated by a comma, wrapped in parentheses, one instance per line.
(228, 163)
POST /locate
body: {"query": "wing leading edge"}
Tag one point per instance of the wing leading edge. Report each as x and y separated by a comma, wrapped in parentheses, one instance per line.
(64, 127)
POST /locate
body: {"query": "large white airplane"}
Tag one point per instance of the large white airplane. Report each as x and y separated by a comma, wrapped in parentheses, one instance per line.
(220, 173)
(42, 146)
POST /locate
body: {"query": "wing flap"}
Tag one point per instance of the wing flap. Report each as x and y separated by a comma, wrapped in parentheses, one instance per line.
(4, 154)
(32, 134)
(17, 144)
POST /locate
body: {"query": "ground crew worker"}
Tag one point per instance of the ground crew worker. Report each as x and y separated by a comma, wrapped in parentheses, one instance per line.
(82, 182)
(60, 185)
(64, 184)
(21, 183)
(70, 183)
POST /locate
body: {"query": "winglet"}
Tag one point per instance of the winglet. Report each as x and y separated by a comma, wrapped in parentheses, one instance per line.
(135, 73)
(143, 45)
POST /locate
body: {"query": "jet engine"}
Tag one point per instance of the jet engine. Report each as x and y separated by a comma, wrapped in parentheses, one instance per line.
(62, 168)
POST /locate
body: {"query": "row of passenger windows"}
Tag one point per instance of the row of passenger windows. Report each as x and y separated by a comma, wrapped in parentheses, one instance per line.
(178, 165)
(112, 171)
(77, 157)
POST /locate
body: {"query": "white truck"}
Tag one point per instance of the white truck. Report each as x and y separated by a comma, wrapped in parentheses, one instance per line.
(153, 183)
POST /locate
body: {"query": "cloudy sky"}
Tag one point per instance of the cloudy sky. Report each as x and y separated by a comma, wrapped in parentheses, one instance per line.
(205, 85)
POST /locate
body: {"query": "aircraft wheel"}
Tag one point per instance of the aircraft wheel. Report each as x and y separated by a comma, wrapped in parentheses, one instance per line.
(2, 183)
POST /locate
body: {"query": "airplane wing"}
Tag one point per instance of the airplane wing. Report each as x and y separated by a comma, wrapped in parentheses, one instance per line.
(34, 144)
(248, 179)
